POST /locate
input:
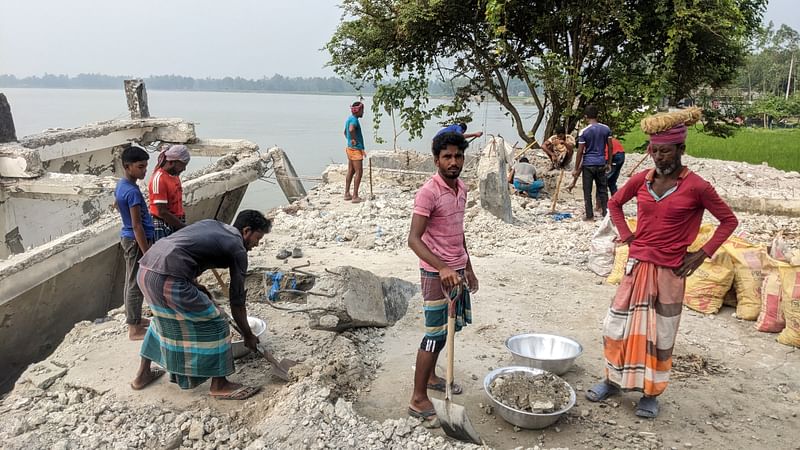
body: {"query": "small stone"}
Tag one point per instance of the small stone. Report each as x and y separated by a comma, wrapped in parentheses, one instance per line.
(61, 445)
(688, 445)
(611, 422)
(196, 430)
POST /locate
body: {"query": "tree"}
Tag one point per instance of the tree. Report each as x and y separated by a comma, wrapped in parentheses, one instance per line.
(620, 55)
(769, 66)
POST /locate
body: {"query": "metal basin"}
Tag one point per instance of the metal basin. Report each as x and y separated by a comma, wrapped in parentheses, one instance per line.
(258, 326)
(524, 419)
(549, 352)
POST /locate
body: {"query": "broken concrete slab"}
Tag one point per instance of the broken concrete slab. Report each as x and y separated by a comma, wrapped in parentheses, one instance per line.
(286, 175)
(136, 94)
(220, 147)
(8, 132)
(359, 299)
(19, 162)
(493, 180)
(44, 374)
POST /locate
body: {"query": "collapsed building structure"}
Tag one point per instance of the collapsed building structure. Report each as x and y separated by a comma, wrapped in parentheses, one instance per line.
(60, 259)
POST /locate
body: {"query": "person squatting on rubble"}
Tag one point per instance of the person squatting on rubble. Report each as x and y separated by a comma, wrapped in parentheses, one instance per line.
(355, 152)
(166, 191)
(188, 336)
(523, 177)
(591, 161)
(437, 238)
(642, 322)
(136, 234)
(460, 128)
(559, 148)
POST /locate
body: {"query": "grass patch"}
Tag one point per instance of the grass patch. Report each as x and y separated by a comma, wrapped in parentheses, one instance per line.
(778, 148)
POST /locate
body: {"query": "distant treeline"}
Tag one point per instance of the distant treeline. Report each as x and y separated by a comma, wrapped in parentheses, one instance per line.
(276, 83)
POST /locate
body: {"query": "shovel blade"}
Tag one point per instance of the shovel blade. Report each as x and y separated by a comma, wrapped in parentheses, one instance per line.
(455, 421)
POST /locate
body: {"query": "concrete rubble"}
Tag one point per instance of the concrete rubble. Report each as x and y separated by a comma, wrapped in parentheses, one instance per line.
(493, 170)
(75, 399)
(358, 298)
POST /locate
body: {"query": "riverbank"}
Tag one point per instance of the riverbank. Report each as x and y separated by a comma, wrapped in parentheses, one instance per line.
(732, 386)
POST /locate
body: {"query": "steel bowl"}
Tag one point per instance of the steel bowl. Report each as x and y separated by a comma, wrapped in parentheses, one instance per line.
(549, 352)
(258, 326)
(524, 419)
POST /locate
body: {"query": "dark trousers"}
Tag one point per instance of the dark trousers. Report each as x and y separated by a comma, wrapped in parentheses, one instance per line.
(596, 174)
(133, 295)
(616, 167)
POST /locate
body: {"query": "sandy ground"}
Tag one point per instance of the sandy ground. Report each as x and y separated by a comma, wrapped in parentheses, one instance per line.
(733, 387)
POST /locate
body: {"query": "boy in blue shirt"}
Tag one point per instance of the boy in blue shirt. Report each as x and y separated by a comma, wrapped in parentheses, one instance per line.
(136, 235)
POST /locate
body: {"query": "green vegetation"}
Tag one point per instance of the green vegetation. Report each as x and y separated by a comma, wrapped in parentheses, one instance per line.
(778, 148)
(567, 53)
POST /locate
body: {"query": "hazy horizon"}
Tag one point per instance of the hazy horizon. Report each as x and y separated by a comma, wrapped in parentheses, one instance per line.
(149, 38)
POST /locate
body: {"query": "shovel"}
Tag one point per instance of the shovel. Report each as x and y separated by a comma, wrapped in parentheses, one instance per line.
(279, 369)
(453, 417)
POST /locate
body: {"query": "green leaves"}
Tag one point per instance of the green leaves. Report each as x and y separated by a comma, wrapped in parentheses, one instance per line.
(621, 55)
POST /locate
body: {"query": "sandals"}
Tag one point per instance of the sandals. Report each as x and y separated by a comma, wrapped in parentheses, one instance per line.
(155, 373)
(428, 417)
(647, 407)
(456, 389)
(283, 254)
(242, 393)
(601, 391)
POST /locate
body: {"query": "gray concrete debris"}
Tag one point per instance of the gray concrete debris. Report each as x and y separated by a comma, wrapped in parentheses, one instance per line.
(136, 94)
(360, 299)
(492, 180)
(7, 131)
(286, 175)
(44, 374)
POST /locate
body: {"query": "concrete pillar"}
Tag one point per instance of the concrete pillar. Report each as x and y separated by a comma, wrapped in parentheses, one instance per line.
(136, 94)
(286, 176)
(493, 180)
(7, 131)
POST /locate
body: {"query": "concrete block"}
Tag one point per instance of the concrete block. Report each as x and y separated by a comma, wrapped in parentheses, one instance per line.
(178, 133)
(136, 94)
(7, 131)
(493, 180)
(44, 374)
(360, 299)
(19, 162)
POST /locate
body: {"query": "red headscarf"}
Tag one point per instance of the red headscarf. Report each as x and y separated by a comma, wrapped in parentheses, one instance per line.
(675, 135)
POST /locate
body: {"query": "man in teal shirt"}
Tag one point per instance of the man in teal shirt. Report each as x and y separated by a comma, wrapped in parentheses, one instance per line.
(355, 152)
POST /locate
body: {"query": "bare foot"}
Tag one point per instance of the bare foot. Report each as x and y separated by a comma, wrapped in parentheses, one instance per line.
(347, 196)
(232, 391)
(136, 332)
(142, 380)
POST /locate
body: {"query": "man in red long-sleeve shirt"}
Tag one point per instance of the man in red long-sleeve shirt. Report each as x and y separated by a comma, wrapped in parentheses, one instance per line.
(641, 325)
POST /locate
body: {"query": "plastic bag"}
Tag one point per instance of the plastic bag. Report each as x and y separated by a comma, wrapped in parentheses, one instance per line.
(601, 249)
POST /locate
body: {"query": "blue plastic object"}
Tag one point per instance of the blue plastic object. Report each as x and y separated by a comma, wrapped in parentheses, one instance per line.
(276, 278)
(558, 217)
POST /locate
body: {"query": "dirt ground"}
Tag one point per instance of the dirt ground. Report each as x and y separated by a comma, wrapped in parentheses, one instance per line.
(733, 387)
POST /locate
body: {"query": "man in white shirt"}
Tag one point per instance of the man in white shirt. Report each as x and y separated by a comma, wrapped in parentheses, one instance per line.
(523, 177)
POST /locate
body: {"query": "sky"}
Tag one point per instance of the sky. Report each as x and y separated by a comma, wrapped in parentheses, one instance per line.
(198, 38)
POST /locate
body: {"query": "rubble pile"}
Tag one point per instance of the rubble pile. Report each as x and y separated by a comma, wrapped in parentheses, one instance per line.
(382, 223)
(315, 411)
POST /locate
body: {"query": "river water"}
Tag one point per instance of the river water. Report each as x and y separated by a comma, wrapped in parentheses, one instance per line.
(308, 127)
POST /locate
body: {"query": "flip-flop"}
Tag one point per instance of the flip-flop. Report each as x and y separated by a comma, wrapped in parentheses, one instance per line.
(283, 254)
(242, 393)
(157, 373)
(357, 200)
(647, 407)
(600, 392)
(442, 387)
(428, 417)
